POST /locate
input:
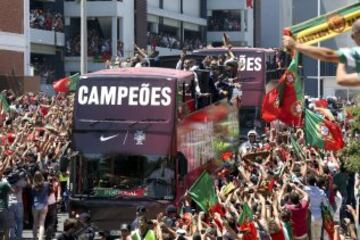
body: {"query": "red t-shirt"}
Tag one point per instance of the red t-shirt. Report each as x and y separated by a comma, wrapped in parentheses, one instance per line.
(299, 217)
(278, 236)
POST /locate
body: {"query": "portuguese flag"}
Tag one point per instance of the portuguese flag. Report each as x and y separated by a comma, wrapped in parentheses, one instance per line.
(285, 102)
(66, 84)
(328, 222)
(204, 194)
(326, 26)
(322, 132)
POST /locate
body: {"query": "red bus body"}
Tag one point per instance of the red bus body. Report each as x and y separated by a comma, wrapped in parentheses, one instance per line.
(130, 125)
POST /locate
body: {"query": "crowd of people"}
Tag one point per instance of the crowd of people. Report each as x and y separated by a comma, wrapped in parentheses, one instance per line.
(171, 41)
(274, 186)
(98, 46)
(224, 21)
(46, 20)
(34, 137)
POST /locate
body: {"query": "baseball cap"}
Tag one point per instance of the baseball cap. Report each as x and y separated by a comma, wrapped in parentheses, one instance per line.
(171, 209)
(125, 227)
(140, 209)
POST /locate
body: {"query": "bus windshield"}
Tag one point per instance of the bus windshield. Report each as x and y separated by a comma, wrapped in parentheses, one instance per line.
(131, 176)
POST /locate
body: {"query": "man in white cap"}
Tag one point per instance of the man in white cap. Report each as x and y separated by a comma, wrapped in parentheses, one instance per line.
(250, 143)
(345, 57)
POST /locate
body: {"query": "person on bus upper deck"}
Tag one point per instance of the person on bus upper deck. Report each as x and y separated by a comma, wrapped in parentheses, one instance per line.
(163, 173)
(250, 143)
(345, 57)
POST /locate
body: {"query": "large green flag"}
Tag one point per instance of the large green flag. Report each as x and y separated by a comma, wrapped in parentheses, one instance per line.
(203, 192)
(297, 149)
(245, 214)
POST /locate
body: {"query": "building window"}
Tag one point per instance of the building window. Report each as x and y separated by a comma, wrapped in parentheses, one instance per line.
(225, 20)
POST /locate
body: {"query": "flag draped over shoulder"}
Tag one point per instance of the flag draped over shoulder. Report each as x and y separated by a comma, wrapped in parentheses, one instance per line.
(203, 192)
(322, 133)
(285, 102)
(66, 84)
(326, 26)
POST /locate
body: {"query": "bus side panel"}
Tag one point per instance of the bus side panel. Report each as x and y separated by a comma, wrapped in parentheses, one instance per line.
(205, 135)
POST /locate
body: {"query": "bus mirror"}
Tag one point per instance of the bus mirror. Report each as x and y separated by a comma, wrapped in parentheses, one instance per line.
(182, 164)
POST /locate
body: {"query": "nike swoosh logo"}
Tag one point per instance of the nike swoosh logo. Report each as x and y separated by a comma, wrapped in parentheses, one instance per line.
(104, 139)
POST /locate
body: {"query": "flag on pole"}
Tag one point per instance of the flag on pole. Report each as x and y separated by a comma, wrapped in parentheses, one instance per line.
(297, 149)
(322, 132)
(325, 26)
(285, 102)
(203, 192)
(66, 84)
(246, 214)
(249, 4)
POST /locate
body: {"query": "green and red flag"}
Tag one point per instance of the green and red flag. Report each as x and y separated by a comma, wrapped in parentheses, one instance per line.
(322, 133)
(246, 214)
(297, 149)
(328, 222)
(326, 26)
(285, 102)
(67, 84)
(203, 192)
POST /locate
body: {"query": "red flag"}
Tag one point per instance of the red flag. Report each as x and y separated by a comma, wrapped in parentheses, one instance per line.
(334, 141)
(66, 84)
(270, 107)
(290, 107)
(217, 208)
(62, 85)
(321, 103)
(249, 4)
(44, 110)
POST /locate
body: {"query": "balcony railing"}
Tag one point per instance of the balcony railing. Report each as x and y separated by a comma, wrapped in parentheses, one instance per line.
(47, 37)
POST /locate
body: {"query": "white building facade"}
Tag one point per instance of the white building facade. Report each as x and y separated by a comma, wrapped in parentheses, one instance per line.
(233, 17)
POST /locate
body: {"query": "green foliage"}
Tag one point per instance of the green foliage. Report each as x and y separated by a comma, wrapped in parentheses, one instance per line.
(355, 124)
(352, 150)
(352, 155)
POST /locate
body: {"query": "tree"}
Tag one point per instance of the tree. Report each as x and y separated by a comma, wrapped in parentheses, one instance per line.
(352, 150)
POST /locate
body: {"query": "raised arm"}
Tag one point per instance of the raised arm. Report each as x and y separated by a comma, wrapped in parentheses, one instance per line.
(320, 53)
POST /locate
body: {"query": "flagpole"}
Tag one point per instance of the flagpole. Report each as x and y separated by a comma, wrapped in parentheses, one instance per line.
(318, 61)
(83, 20)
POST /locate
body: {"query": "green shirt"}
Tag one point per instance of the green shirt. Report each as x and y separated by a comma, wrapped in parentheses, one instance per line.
(350, 57)
(4, 194)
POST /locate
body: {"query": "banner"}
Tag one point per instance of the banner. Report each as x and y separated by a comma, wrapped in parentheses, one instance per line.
(325, 26)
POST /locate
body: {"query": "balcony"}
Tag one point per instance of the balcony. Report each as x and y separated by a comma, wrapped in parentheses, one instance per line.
(165, 51)
(45, 37)
(72, 64)
(100, 8)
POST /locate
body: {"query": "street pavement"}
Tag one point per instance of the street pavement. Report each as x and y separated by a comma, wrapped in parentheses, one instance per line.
(27, 234)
